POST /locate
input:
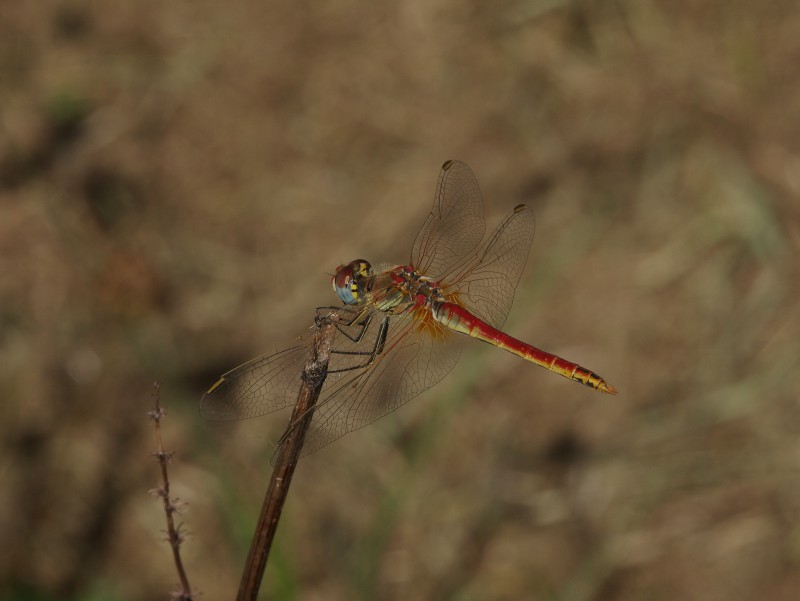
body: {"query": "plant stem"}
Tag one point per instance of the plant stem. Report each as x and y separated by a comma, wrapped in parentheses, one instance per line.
(314, 374)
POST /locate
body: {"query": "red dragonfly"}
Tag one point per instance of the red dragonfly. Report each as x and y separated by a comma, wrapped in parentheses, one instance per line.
(398, 328)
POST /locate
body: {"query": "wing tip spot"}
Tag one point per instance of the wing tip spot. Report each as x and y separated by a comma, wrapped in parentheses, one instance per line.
(215, 385)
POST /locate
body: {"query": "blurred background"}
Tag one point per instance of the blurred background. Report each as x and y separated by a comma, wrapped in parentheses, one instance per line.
(177, 180)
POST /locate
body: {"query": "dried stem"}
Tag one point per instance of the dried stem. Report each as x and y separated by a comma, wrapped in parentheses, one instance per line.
(314, 374)
(171, 506)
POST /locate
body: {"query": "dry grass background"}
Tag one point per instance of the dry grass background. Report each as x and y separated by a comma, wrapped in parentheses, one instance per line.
(178, 178)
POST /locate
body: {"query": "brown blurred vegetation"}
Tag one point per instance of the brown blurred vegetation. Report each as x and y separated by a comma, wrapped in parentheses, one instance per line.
(177, 179)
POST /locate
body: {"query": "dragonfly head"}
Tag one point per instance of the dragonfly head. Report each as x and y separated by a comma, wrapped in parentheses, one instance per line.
(349, 281)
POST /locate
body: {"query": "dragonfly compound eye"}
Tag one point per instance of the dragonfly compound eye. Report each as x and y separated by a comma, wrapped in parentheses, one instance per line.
(363, 268)
(342, 284)
(349, 280)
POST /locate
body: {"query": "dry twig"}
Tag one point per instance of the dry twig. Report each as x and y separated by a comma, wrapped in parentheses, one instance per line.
(175, 534)
(314, 374)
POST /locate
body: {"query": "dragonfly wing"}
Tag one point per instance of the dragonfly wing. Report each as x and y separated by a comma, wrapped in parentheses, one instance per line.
(455, 225)
(486, 281)
(272, 382)
(260, 386)
(411, 362)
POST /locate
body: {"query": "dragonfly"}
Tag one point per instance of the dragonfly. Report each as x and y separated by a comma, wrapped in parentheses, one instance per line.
(399, 328)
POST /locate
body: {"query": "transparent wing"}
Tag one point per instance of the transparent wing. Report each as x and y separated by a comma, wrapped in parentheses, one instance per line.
(377, 364)
(411, 361)
(263, 385)
(271, 382)
(486, 281)
(455, 225)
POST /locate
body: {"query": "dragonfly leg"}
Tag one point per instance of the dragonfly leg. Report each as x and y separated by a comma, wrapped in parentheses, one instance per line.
(371, 354)
(359, 336)
(341, 322)
(344, 316)
(335, 314)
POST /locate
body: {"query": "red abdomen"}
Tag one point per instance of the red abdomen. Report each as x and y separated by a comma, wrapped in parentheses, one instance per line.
(457, 318)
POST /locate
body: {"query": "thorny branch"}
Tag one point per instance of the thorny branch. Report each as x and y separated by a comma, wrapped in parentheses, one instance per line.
(175, 534)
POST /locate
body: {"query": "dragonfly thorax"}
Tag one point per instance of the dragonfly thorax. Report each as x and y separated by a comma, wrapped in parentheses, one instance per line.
(402, 288)
(394, 290)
